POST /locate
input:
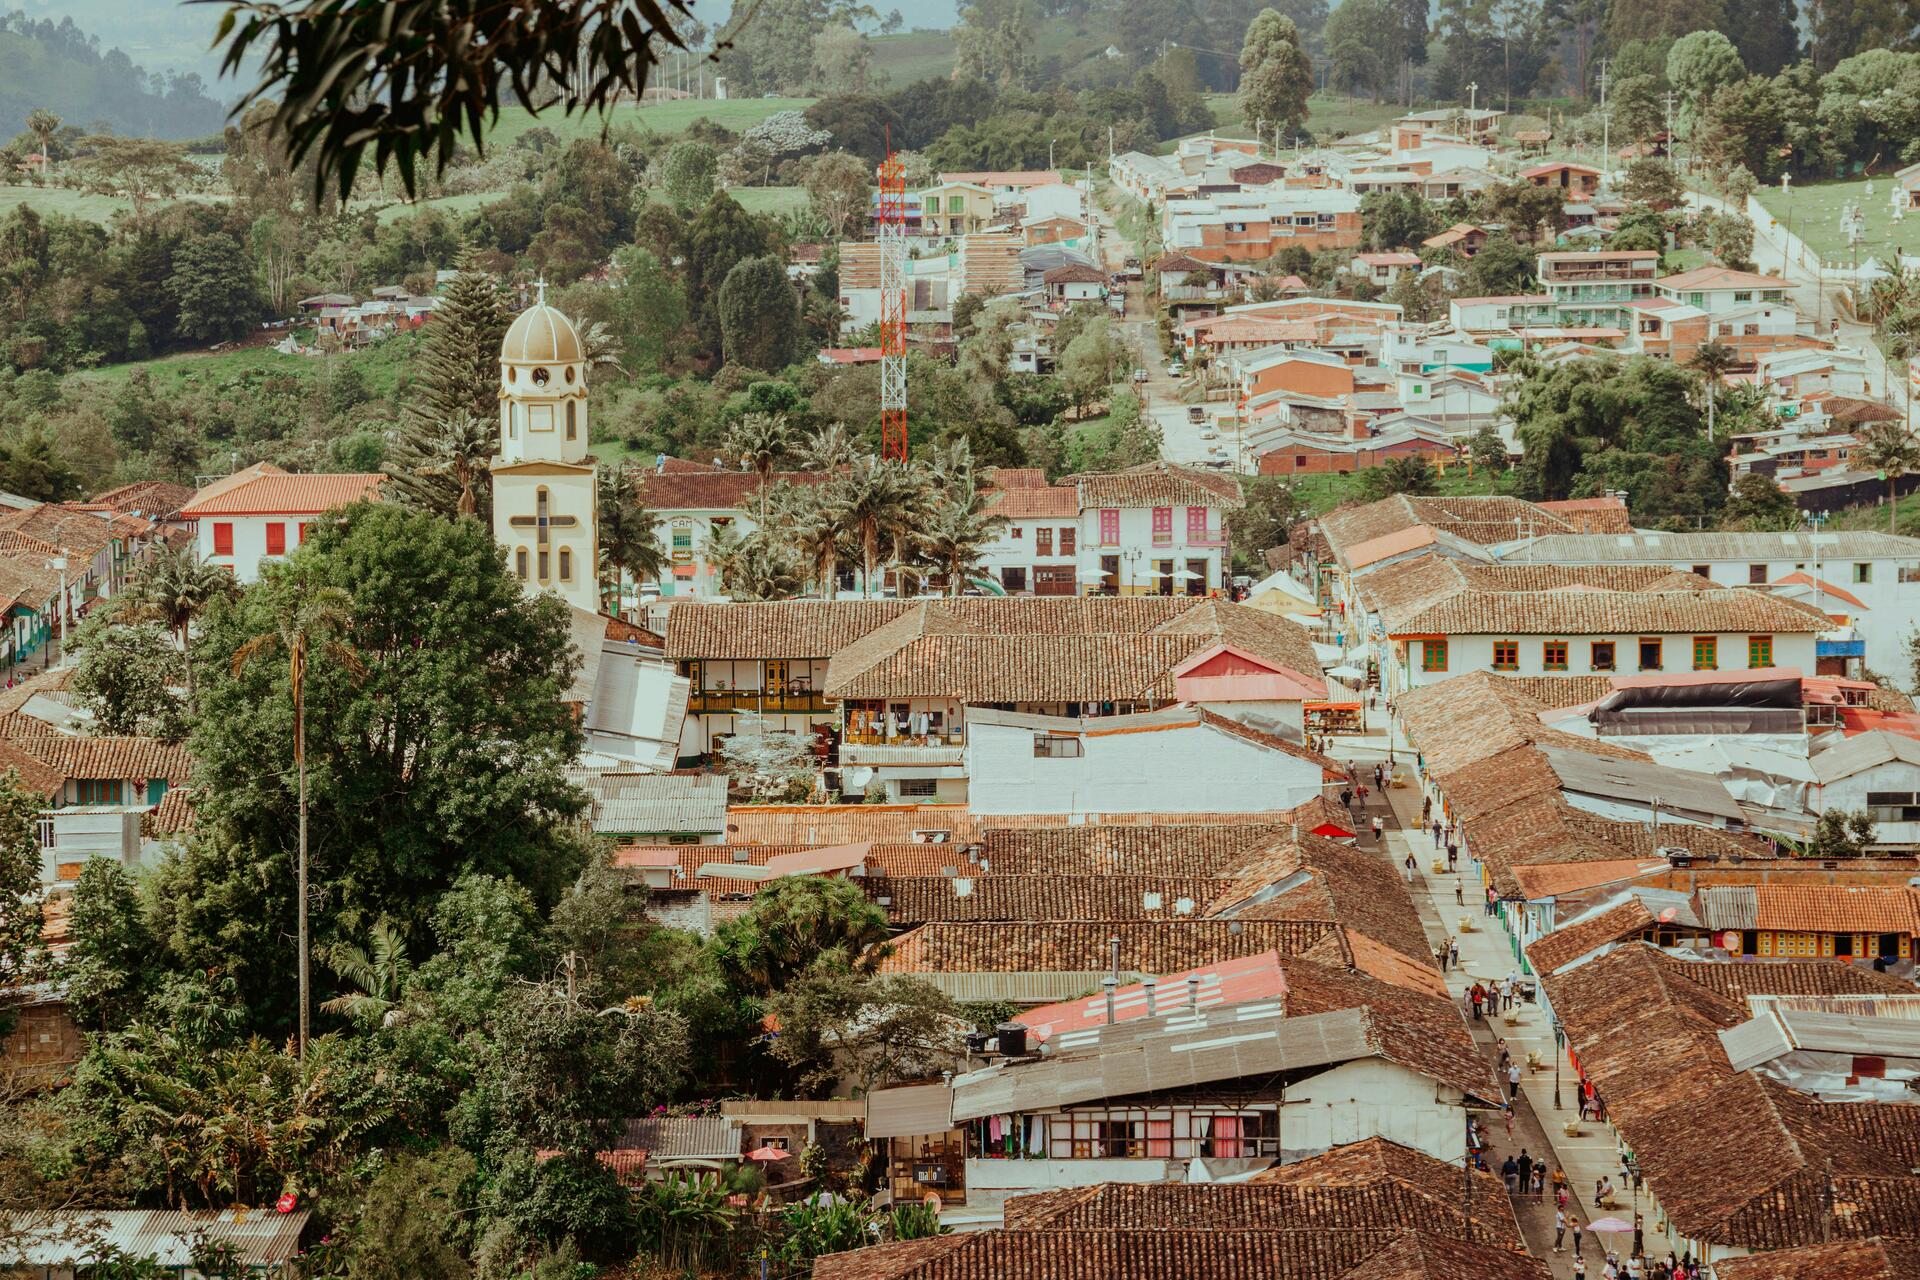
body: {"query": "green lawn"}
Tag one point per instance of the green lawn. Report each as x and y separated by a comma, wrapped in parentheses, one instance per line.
(772, 200)
(74, 204)
(913, 56)
(1329, 115)
(454, 205)
(1325, 492)
(660, 117)
(1813, 212)
(381, 364)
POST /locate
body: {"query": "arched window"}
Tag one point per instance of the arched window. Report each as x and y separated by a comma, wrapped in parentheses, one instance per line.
(520, 563)
(566, 565)
(570, 420)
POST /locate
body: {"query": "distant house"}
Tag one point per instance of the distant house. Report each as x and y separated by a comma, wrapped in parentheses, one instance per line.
(1075, 283)
(1383, 268)
(261, 513)
(1580, 179)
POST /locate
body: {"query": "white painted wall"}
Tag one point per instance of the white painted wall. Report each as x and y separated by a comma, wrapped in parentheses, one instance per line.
(1475, 653)
(1136, 534)
(249, 541)
(1850, 795)
(1371, 1098)
(1173, 770)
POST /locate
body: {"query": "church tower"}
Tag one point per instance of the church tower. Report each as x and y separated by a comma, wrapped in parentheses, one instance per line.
(545, 489)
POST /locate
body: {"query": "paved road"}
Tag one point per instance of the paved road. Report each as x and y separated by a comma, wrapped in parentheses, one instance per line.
(1814, 297)
(1486, 954)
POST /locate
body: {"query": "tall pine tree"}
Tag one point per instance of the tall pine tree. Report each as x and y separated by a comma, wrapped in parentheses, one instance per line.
(438, 461)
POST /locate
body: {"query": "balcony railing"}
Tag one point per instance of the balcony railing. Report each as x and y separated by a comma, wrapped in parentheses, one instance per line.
(934, 750)
(721, 701)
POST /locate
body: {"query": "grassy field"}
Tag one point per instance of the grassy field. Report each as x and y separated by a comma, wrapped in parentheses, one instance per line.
(660, 117)
(1813, 212)
(454, 205)
(1325, 492)
(1329, 114)
(771, 200)
(74, 204)
(913, 56)
(381, 365)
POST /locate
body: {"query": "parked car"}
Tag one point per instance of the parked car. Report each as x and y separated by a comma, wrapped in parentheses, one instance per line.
(1176, 369)
(1196, 413)
(1139, 375)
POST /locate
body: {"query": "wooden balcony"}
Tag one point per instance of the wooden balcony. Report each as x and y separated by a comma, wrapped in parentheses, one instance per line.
(758, 702)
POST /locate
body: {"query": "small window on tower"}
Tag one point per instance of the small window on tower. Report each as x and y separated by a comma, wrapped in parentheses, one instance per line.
(543, 566)
(520, 563)
(570, 419)
(541, 376)
(513, 374)
(566, 565)
(569, 373)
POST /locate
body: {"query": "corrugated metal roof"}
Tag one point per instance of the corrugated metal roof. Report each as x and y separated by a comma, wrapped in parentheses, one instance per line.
(1638, 782)
(637, 803)
(1179, 1051)
(61, 1237)
(1754, 1041)
(909, 1110)
(1734, 906)
(668, 1138)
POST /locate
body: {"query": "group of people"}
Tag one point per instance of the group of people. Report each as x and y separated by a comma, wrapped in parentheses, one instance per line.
(1489, 999)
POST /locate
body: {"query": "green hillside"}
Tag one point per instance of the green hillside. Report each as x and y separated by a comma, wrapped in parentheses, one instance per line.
(58, 67)
(659, 117)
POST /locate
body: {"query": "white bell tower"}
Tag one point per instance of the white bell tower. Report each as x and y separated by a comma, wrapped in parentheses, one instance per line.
(545, 484)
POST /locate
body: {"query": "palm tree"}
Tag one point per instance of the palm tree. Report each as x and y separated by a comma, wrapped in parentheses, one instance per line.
(1893, 452)
(761, 440)
(956, 539)
(876, 497)
(828, 449)
(1713, 359)
(308, 617)
(43, 124)
(629, 531)
(174, 589)
(438, 466)
(380, 974)
(810, 518)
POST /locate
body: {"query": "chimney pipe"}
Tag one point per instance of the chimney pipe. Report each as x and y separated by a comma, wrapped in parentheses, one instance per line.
(1193, 994)
(1113, 945)
(1109, 982)
(1149, 982)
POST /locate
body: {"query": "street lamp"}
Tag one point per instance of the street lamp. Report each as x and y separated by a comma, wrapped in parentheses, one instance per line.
(1558, 1029)
(1131, 557)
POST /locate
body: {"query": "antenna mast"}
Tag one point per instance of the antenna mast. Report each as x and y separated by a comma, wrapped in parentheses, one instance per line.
(893, 307)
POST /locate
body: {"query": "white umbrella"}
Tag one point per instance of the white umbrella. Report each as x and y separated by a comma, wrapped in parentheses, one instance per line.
(1346, 673)
(1327, 653)
(1188, 575)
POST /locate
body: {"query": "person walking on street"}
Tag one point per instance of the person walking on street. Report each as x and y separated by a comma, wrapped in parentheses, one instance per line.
(1346, 798)
(1453, 950)
(1526, 1170)
(1478, 995)
(1459, 894)
(1453, 856)
(1493, 900)
(1559, 1229)
(1513, 1082)
(1579, 1267)
(1409, 863)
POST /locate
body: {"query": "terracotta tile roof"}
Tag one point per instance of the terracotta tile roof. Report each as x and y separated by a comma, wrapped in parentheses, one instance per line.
(1419, 1030)
(1359, 889)
(1054, 649)
(1715, 277)
(1873, 1259)
(51, 681)
(1832, 908)
(1398, 590)
(1484, 520)
(1197, 851)
(1736, 980)
(1417, 1256)
(1548, 881)
(1545, 829)
(1157, 484)
(274, 492)
(1055, 501)
(1013, 478)
(800, 825)
(1568, 943)
(1588, 612)
(1115, 1255)
(155, 499)
(174, 814)
(1891, 1128)
(918, 899)
(110, 758)
(69, 526)
(1592, 515)
(774, 629)
(1074, 273)
(674, 490)
(26, 580)
(1478, 716)
(1073, 946)
(1779, 1172)
(35, 774)
(1377, 1162)
(1379, 1203)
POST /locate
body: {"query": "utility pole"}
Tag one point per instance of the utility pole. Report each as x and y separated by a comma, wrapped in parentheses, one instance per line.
(1473, 97)
(1466, 1201)
(1606, 125)
(1671, 146)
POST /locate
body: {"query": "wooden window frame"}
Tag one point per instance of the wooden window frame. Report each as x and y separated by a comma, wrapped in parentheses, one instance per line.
(1512, 647)
(1433, 655)
(1710, 647)
(1596, 663)
(1547, 650)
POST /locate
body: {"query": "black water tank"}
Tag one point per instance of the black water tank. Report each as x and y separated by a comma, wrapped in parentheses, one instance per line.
(1013, 1039)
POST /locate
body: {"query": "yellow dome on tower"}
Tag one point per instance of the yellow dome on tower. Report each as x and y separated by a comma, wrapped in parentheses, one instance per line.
(541, 335)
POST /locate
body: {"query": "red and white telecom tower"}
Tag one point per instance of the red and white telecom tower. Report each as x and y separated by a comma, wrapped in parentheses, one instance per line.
(893, 308)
